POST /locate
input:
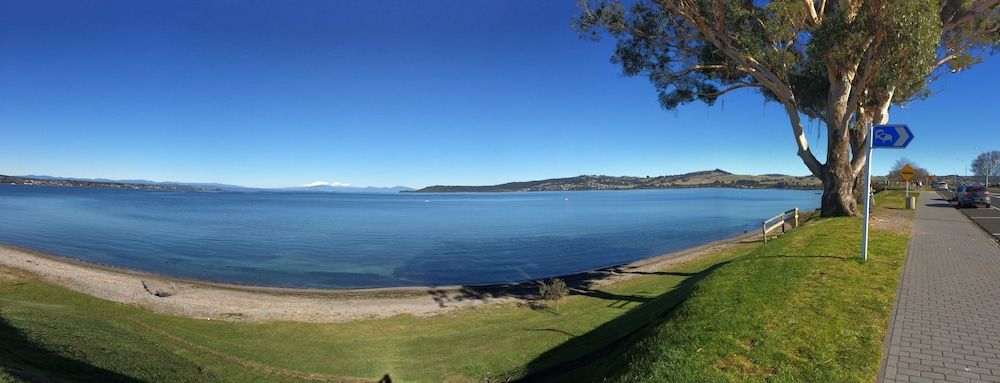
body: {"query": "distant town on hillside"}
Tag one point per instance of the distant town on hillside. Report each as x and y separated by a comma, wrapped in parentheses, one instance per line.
(707, 178)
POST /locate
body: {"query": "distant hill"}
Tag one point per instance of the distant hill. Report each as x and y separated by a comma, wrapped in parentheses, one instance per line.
(104, 184)
(190, 186)
(707, 178)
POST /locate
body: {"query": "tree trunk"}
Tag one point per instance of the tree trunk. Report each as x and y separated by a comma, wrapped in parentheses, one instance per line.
(838, 173)
(876, 113)
(859, 187)
(838, 199)
(838, 178)
(859, 138)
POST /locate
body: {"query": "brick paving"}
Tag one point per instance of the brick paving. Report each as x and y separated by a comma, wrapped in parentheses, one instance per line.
(945, 326)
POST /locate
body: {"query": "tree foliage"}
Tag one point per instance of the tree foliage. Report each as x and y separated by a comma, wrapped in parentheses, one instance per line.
(553, 291)
(896, 40)
(986, 164)
(842, 62)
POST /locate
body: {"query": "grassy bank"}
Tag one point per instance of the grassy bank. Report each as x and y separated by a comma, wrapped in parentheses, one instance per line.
(800, 308)
(54, 331)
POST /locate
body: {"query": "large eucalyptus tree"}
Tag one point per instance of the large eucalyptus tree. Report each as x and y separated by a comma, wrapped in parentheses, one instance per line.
(842, 62)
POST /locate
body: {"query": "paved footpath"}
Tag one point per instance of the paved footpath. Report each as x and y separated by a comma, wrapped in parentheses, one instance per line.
(945, 326)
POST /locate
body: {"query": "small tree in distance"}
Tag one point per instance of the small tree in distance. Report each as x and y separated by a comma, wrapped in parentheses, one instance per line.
(895, 176)
(553, 292)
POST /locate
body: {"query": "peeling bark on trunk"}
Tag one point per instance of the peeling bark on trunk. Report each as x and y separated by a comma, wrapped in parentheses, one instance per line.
(838, 173)
(878, 114)
(859, 138)
(838, 178)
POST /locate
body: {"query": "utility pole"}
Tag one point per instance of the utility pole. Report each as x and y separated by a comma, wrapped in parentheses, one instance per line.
(991, 163)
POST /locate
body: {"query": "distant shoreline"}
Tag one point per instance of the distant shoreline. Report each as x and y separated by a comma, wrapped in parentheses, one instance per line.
(703, 179)
(224, 301)
(716, 178)
(708, 186)
(22, 181)
(145, 185)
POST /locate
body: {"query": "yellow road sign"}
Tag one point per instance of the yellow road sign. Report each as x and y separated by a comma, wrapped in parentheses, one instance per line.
(907, 172)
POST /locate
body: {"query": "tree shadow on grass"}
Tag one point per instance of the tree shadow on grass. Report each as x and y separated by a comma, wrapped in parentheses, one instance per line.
(26, 360)
(851, 258)
(604, 340)
(617, 300)
(564, 332)
(674, 273)
(578, 284)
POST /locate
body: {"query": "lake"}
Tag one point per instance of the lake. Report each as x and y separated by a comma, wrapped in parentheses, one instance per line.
(332, 240)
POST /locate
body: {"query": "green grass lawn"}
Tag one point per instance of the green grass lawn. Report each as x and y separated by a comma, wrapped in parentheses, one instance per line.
(800, 308)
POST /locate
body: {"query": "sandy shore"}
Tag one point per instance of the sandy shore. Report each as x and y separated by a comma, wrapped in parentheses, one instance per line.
(199, 299)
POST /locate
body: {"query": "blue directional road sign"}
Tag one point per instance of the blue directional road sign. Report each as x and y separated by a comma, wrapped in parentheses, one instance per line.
(891, 136)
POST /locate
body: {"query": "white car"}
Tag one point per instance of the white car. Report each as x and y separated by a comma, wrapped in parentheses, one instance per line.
(941, 186)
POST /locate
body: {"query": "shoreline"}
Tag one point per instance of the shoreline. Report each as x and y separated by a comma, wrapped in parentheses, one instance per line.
(703, 186)
(234, 302)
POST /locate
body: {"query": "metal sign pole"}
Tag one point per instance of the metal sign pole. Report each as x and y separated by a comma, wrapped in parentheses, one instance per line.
(881, 137)
(868, 195)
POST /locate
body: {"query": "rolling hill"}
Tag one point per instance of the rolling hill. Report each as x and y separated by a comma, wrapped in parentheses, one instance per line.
(708, 178)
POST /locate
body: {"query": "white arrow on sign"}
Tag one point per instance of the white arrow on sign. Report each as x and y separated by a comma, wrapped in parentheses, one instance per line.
(891, 136)
(904, 137)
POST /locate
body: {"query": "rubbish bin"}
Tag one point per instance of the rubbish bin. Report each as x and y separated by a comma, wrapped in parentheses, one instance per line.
(911, 203)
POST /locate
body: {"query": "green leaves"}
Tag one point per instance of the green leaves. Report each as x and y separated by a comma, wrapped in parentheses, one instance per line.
(902, 42)
(913, 31)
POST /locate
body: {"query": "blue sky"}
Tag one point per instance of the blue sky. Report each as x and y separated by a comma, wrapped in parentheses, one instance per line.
(386, 93)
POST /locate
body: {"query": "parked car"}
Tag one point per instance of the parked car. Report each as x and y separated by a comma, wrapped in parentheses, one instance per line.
(954, 194)
(974, 195)
(941, 186)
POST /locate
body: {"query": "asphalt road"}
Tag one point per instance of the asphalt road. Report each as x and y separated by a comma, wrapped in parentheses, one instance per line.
(987, 218)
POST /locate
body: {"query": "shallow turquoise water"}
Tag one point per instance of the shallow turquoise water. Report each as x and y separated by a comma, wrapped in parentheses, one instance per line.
(377, 240)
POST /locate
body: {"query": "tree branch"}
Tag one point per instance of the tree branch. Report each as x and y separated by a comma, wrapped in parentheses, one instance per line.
(815, 167)
(813, 17)
(880, 115)
(693, 68)
(972, 13)
(761, 73)
(861, 82)
(730, 89)
(945, 60)
(764, 76)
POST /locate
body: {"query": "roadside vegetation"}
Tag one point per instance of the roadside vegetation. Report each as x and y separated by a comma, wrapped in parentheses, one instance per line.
(801, 308)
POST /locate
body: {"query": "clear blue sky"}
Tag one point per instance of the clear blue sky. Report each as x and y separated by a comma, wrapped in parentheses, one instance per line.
(281, 93)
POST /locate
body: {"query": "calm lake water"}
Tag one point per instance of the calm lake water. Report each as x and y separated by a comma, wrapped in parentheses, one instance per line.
(376, 240)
